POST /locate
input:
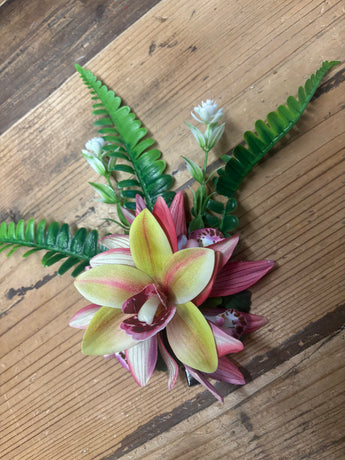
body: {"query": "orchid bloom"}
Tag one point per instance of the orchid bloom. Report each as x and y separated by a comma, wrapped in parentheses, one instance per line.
(147, 284)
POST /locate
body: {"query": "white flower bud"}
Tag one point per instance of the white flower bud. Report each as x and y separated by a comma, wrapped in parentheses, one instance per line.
(95, 145)
(208, 112)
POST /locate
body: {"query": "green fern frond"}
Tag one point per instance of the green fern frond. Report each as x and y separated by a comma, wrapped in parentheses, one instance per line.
(57, 240)
(125, 136)
(279, 123)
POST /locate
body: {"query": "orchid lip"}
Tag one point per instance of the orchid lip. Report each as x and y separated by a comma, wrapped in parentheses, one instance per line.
(148, 310)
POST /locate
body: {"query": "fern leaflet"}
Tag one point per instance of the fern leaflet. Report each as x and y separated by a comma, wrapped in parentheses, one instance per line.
(76, 250)
(125, 135)
(279, 123)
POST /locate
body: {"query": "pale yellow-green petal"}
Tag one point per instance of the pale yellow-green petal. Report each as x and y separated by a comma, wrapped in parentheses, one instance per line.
(110, 285)
(187, 273)
(149, 245)
(104, 335)
(191, 339)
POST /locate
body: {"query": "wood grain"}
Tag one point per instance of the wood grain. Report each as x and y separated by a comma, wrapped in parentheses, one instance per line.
(57, 403)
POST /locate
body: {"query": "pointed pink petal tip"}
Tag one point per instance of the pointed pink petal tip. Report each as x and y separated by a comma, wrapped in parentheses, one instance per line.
(83, 317)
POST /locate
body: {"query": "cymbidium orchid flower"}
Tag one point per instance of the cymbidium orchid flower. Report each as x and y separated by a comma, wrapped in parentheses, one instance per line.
(153, 282)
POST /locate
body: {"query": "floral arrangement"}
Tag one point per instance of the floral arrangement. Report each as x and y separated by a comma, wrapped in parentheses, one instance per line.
(165, 294)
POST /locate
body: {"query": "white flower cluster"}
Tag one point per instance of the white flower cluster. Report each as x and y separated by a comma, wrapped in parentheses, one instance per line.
(93, 154)
(208, 114)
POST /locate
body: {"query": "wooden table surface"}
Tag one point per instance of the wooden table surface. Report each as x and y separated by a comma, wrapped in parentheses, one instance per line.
(164, 57)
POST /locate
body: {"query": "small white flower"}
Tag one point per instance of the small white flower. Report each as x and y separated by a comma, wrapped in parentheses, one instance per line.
(208, 112)
(95, 146)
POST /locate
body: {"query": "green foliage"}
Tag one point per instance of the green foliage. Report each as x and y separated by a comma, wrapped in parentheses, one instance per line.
(125, 135)
(279, 123)
(75, 251)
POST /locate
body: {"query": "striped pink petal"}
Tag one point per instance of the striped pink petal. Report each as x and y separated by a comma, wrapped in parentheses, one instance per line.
(140, 204)
(142, 360)
(83, 317)
(129, 215)
(201, 379)
(178, 214)
(169, 361)
(225, 343)
(227, 372)
(115, 241)
(121, 256)
(163, 215)
(238, 276)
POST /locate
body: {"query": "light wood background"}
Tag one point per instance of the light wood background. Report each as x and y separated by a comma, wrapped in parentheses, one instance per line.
(164, 57)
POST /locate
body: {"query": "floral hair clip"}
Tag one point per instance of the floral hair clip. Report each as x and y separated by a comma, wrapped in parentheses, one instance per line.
(164, 294)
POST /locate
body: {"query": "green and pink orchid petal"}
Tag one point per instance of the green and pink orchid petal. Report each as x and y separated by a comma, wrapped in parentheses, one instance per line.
(83, 317)
(226, 248)
(238, 276)
(150, 247)
(204, 294)
(120, 256)
(163, 215)
(191, 338)
(187, 273)
(104, 335)
(115, 241)
(140, 330)
(227, 372)
(142, 360)
(199, 377)
(225, 343)
(111, 285)
(169, 361)
(178, 214)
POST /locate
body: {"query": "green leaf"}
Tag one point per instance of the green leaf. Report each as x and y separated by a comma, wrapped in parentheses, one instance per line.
(56, 240)
(106, 192)
(279, 123)
(121, 128)
(194, 170)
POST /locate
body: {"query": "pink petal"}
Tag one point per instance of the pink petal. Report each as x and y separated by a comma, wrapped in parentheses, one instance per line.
(178, 214)
(121, 256)
(139, 330)
(225, 343)
(121, 357)
(140, 204)
(201, 379)
(142, 360)
(169, 361)
(83, 317)
(238, 276)
(227, 372)
(226, 248)
(115, 241)
(128, 215)
(163, 215)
